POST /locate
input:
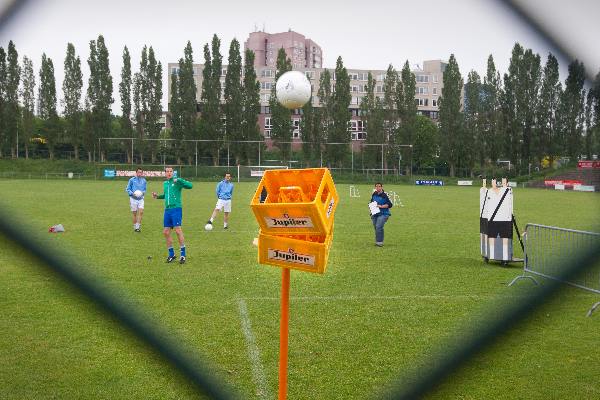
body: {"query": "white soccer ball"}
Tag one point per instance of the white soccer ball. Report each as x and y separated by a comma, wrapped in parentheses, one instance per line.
(138, 194)
(208, 227)
(293, 89)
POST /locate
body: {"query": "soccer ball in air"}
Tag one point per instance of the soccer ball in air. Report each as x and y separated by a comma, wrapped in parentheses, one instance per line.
(138, 194)
(293, 89)
(208, 227)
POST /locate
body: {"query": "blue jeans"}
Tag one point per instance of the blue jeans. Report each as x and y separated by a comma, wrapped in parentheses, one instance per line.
(379, 221)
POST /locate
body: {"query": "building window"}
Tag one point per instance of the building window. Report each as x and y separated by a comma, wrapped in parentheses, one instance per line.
(434, 90)
(381, 77)
(175, 71)
(435, 78)
(433, 102)
(422, 102)
(265, 97)
(267, 133)
(266, 85)
(267, 73)
(363, 76)
(433, 115)
(223, 71)
(354, 88)
(268, 123)
(423, 78)
(355, 100)
(422, 90)
(353, 77)
(379, 88)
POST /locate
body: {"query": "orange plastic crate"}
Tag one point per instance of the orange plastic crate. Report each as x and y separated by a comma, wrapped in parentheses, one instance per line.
(302, 252)
(298, 201)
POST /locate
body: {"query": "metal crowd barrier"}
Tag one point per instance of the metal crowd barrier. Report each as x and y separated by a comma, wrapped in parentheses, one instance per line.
(549, 248)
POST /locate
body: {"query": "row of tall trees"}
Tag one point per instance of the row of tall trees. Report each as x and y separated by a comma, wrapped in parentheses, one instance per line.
(83, 121)
(225, 114)
(526, 117)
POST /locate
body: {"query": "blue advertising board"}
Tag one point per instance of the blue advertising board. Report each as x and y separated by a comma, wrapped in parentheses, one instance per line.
(110, 173)
(429, 182)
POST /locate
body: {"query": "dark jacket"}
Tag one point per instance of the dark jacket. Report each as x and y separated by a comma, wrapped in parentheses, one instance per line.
(381, 199)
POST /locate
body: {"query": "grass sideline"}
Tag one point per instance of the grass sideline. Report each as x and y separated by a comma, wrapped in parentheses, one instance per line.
(374, 313)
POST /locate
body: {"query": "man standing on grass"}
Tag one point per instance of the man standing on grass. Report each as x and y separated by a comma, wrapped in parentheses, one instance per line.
(136, 204)
(173, 214)
(224, 192)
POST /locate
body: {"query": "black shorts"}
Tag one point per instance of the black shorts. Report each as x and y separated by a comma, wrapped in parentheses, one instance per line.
(500, 228)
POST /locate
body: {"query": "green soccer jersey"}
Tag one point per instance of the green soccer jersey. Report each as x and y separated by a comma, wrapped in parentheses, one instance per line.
(172, 192)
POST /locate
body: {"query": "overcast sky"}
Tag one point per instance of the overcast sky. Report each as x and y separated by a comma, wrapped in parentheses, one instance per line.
(366, 34)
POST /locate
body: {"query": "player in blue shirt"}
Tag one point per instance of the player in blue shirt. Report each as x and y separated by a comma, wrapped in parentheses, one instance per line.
(384, 204)
(224, 193)
(138, 182)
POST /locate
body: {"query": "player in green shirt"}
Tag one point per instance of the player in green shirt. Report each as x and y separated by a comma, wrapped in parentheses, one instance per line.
(173, 215)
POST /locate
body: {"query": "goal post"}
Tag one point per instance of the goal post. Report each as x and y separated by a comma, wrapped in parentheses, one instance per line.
(255, 172)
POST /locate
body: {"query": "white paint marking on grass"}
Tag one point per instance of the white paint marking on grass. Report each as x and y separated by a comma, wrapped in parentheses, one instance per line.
(399, 297)
(258, 374)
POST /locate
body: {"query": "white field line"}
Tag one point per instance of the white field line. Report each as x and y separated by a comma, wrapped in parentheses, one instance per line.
(258, 373)
(384, 298)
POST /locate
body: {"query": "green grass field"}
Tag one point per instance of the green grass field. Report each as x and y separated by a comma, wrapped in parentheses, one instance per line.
(374, 315)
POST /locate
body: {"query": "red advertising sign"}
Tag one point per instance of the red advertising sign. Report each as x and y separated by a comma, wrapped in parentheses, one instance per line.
(588, 164)
(566, 182)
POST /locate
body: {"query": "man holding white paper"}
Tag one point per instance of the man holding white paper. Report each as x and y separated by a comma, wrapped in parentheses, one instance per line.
(380, 212)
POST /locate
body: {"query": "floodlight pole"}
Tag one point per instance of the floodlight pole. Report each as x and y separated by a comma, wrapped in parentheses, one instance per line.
(283, 332)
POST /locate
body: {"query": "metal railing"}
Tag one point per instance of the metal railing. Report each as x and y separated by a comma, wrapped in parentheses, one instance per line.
(549, 248)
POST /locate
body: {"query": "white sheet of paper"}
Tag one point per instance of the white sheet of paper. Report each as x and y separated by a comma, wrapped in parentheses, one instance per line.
(373, 208)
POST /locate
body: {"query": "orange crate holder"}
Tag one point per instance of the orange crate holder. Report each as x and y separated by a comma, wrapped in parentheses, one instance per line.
(302, 252)
(299, 201)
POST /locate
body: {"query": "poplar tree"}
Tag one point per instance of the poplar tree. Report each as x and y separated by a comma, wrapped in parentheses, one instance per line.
(72, 85)
(234, 99)
(548, 111)
(281, 133)
(406, 103)
(491, 114)
(47, 104)
(390, 117)
(573, 107)
(527, 98)
(371, 120)
(147, 96)
(12, 109)
(28, 100)
(3, 133)
(473, 143)
(451, 118)
(187, 102)
(340, 116)
(251, 104)
(125, 92)
(176, 113)
(595, 94)
(511, 123)
(152, 76)
(325, 110)
(99, 94)
(588, 137)
(211, 98)
(139, 107)
(309, 126)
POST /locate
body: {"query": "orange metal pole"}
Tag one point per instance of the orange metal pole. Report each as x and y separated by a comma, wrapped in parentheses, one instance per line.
(283, 332)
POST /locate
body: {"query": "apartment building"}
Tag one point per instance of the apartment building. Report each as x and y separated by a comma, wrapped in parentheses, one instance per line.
(302, 52)
(429, 78)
